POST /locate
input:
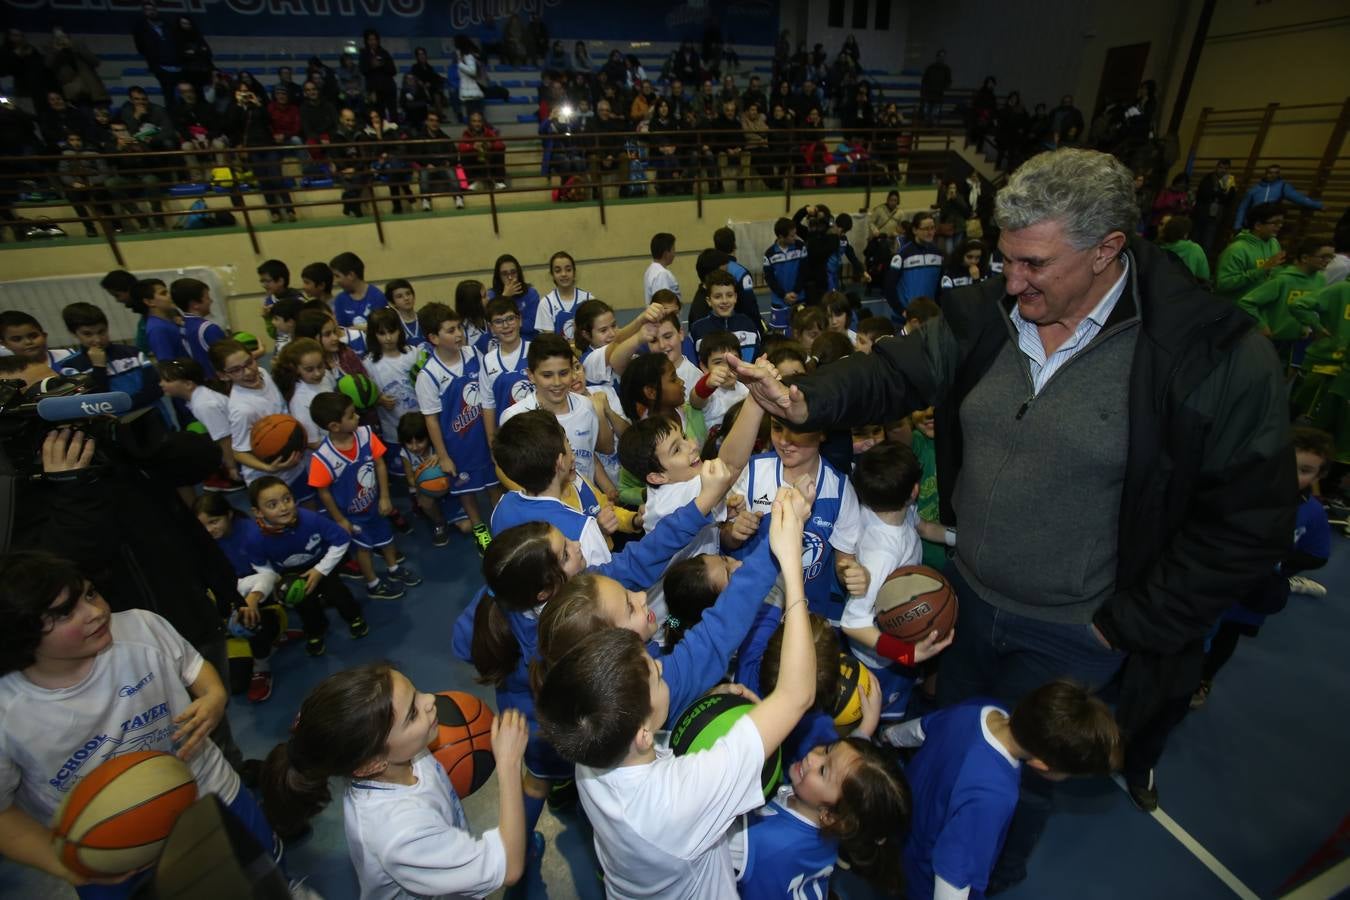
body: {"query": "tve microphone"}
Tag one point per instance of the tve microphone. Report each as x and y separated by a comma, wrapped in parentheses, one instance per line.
(82, 406)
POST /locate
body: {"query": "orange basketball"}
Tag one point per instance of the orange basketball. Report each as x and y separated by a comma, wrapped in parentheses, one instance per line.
(276, 436)
(914, 602)
(118, 817)
(463, 743)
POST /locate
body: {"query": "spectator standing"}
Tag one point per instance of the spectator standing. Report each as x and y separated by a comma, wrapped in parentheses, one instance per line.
(431, 80)
(471, 73)
(21, 61)
(1271, 189)
(157, 43)
(247, 124)
(75, 70)
(194, 53)
(378, 68)
(983, 109)
(514, 49)
(536, 36)
(1212, 197)
(936, 79)
(1066, 122)
(1174, 200)
(1009, 128)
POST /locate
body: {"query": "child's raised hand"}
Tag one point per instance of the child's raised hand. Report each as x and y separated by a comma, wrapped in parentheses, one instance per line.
(653, 314)
(716, 480)
(719, 373)
(930, 646)
(510, 734)
(607, 520)
(785, 530)
(745, 525)
(804, 494)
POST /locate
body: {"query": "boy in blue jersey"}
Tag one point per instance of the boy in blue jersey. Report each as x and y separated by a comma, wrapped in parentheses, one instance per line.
(193, 299)
(533, 451)
(357, 299)
(448, 393)
(723, 316)
(724, 241)
(274, 277)
(349, 472)
(783, 263)
(161, 324)
(830, 540)
(403, 299)
(114, 367)
(966, 775)
(294, 541)
(504, 378)
(843, 224)
(23, 336)
(916, 268)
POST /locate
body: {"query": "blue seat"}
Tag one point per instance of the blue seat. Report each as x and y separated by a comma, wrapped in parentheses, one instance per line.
(192, 189)
(318, 182)
(135, 72)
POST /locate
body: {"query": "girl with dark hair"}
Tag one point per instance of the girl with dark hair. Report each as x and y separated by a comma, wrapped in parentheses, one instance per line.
(470, 302)
(405, 825)
(508, 280)
(967, 264)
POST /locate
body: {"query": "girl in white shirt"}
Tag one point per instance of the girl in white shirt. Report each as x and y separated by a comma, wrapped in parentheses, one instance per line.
(185, 379)
(301, 374)
(390, 364)
(557, 311)
(406, 830)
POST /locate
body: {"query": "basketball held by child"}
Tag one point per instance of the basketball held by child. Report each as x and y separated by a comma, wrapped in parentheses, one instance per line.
(711, 717)
(463, 742)
(854, 682)
(914, 602)
(118, 817)
(364, 392)
(276, 437)
(431, 480)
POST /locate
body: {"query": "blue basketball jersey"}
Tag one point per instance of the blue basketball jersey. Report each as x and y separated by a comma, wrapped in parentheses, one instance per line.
(557, 315)
(516, 508)
(461, 413)
(198, 336)
(350, 311)
(354, 487)
(834, 523)
(507, 381)
(298, 548)
(413, 332)
(786, 856)
(527, 304)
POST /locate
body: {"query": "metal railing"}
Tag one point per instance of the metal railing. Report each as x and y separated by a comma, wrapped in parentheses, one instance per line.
(109, 193)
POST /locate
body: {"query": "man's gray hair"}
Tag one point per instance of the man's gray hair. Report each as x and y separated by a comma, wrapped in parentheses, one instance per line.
(1091, 194)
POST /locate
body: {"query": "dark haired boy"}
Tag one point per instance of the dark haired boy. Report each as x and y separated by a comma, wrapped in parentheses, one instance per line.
(292, 540)
(121, 286)
(23, 336)
(113, 367)
(317, 281)
(532, 450)
(80, 685)
(349, 472)
(1253, 255)
(274, 277)
(449, 390)
(193, 298)
(886, 480)
(281, 316)
(783, 263)
(403, 299)
(724, 317)
(504, 382)
(670, 341)
(357, 299)
(872, 329)
(718, 390)
(658, 275)
(966, 775)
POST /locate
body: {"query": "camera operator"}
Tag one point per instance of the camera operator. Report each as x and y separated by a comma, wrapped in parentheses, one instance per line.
(813, 224)
(115, 511)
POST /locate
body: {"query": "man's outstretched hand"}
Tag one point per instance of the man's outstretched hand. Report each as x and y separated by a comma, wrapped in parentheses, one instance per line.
(778, 399)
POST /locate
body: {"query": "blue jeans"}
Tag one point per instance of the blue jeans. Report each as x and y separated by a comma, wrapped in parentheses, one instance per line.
(1005, 656)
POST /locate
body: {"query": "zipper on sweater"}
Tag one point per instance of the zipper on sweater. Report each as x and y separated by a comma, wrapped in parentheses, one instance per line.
(1022, 410)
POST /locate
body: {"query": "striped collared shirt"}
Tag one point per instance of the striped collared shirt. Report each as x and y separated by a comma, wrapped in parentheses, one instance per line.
(1029, 339)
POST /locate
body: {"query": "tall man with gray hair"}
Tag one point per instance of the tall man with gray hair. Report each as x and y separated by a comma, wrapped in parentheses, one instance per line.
(1112, 444)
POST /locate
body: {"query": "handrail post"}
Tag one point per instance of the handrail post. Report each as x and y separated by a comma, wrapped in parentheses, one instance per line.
(1261, 131)
(698, 172)
(492, 204)
(599, 184)
(1200, 124)
(867, 182)
(237, 194)
(787, 182)
(375, 210)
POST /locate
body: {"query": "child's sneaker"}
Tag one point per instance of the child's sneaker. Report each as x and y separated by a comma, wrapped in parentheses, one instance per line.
(1299, 584)
(440, 535)
(406, 576)
(350, 570)
(259, 687)
(358, 628)
(1201, 694)
(384, 589)
(482, 537)
(400, 522)
(315, 646)
(399, 557)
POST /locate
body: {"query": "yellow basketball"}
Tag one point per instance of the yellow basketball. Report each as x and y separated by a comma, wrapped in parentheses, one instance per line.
(854, 681)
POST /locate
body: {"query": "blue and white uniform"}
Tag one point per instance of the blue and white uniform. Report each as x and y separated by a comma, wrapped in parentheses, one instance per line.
(517, 508)
(351, 478)
(783, 274)
(163, 336)
(127, 369)
(412, 331)
(527, 304)
(198, 336)
(557, 315)
(350, 311)
(579, 423)
(786, 855)
(915, 271)
(452, 391)
(503, 378)
(737, 324)
(313, 542)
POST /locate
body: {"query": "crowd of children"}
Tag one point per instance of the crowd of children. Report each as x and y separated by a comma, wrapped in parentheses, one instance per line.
(649, 535)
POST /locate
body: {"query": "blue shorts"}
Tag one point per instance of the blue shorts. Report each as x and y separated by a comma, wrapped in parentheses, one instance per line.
(245, 808)
(453, 510)
(896, 683)
(543, 762)
(374, 530)
(471, 481)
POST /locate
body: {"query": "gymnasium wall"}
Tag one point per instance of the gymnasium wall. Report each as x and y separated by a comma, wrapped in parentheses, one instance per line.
(437, 253)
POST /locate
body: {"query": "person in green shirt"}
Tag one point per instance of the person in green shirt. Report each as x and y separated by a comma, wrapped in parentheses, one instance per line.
(1269, 303)
(1249, 260)
(1176, 233)
(1323, 396)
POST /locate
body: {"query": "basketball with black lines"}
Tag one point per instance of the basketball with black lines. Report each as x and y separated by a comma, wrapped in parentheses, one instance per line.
(914, 602)
(117, 818)
(463, 742)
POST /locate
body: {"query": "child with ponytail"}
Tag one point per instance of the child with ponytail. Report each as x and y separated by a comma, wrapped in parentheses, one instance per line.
(301, 374)
(406, 829)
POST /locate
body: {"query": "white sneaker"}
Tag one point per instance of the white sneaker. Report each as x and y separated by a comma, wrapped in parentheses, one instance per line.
(459, 202)
(301, 891)
(1298, 584)
(500, 185)
(426, 206)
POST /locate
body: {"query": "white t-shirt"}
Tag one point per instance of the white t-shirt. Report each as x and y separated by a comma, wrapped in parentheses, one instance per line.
(609, 461)
(212, 409)
(413, 841)
(658, 278)
(301, 398)
(663, 829)
(53, 738)
(393, 376)
(669, 498)
(581, 424)
(595, 366)
(884, 549)
(723, 399)
(690, 375)
(248, 405)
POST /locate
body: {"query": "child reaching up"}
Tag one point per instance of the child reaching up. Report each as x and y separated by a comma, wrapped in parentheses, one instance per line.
(662, 822)
(406, 830)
